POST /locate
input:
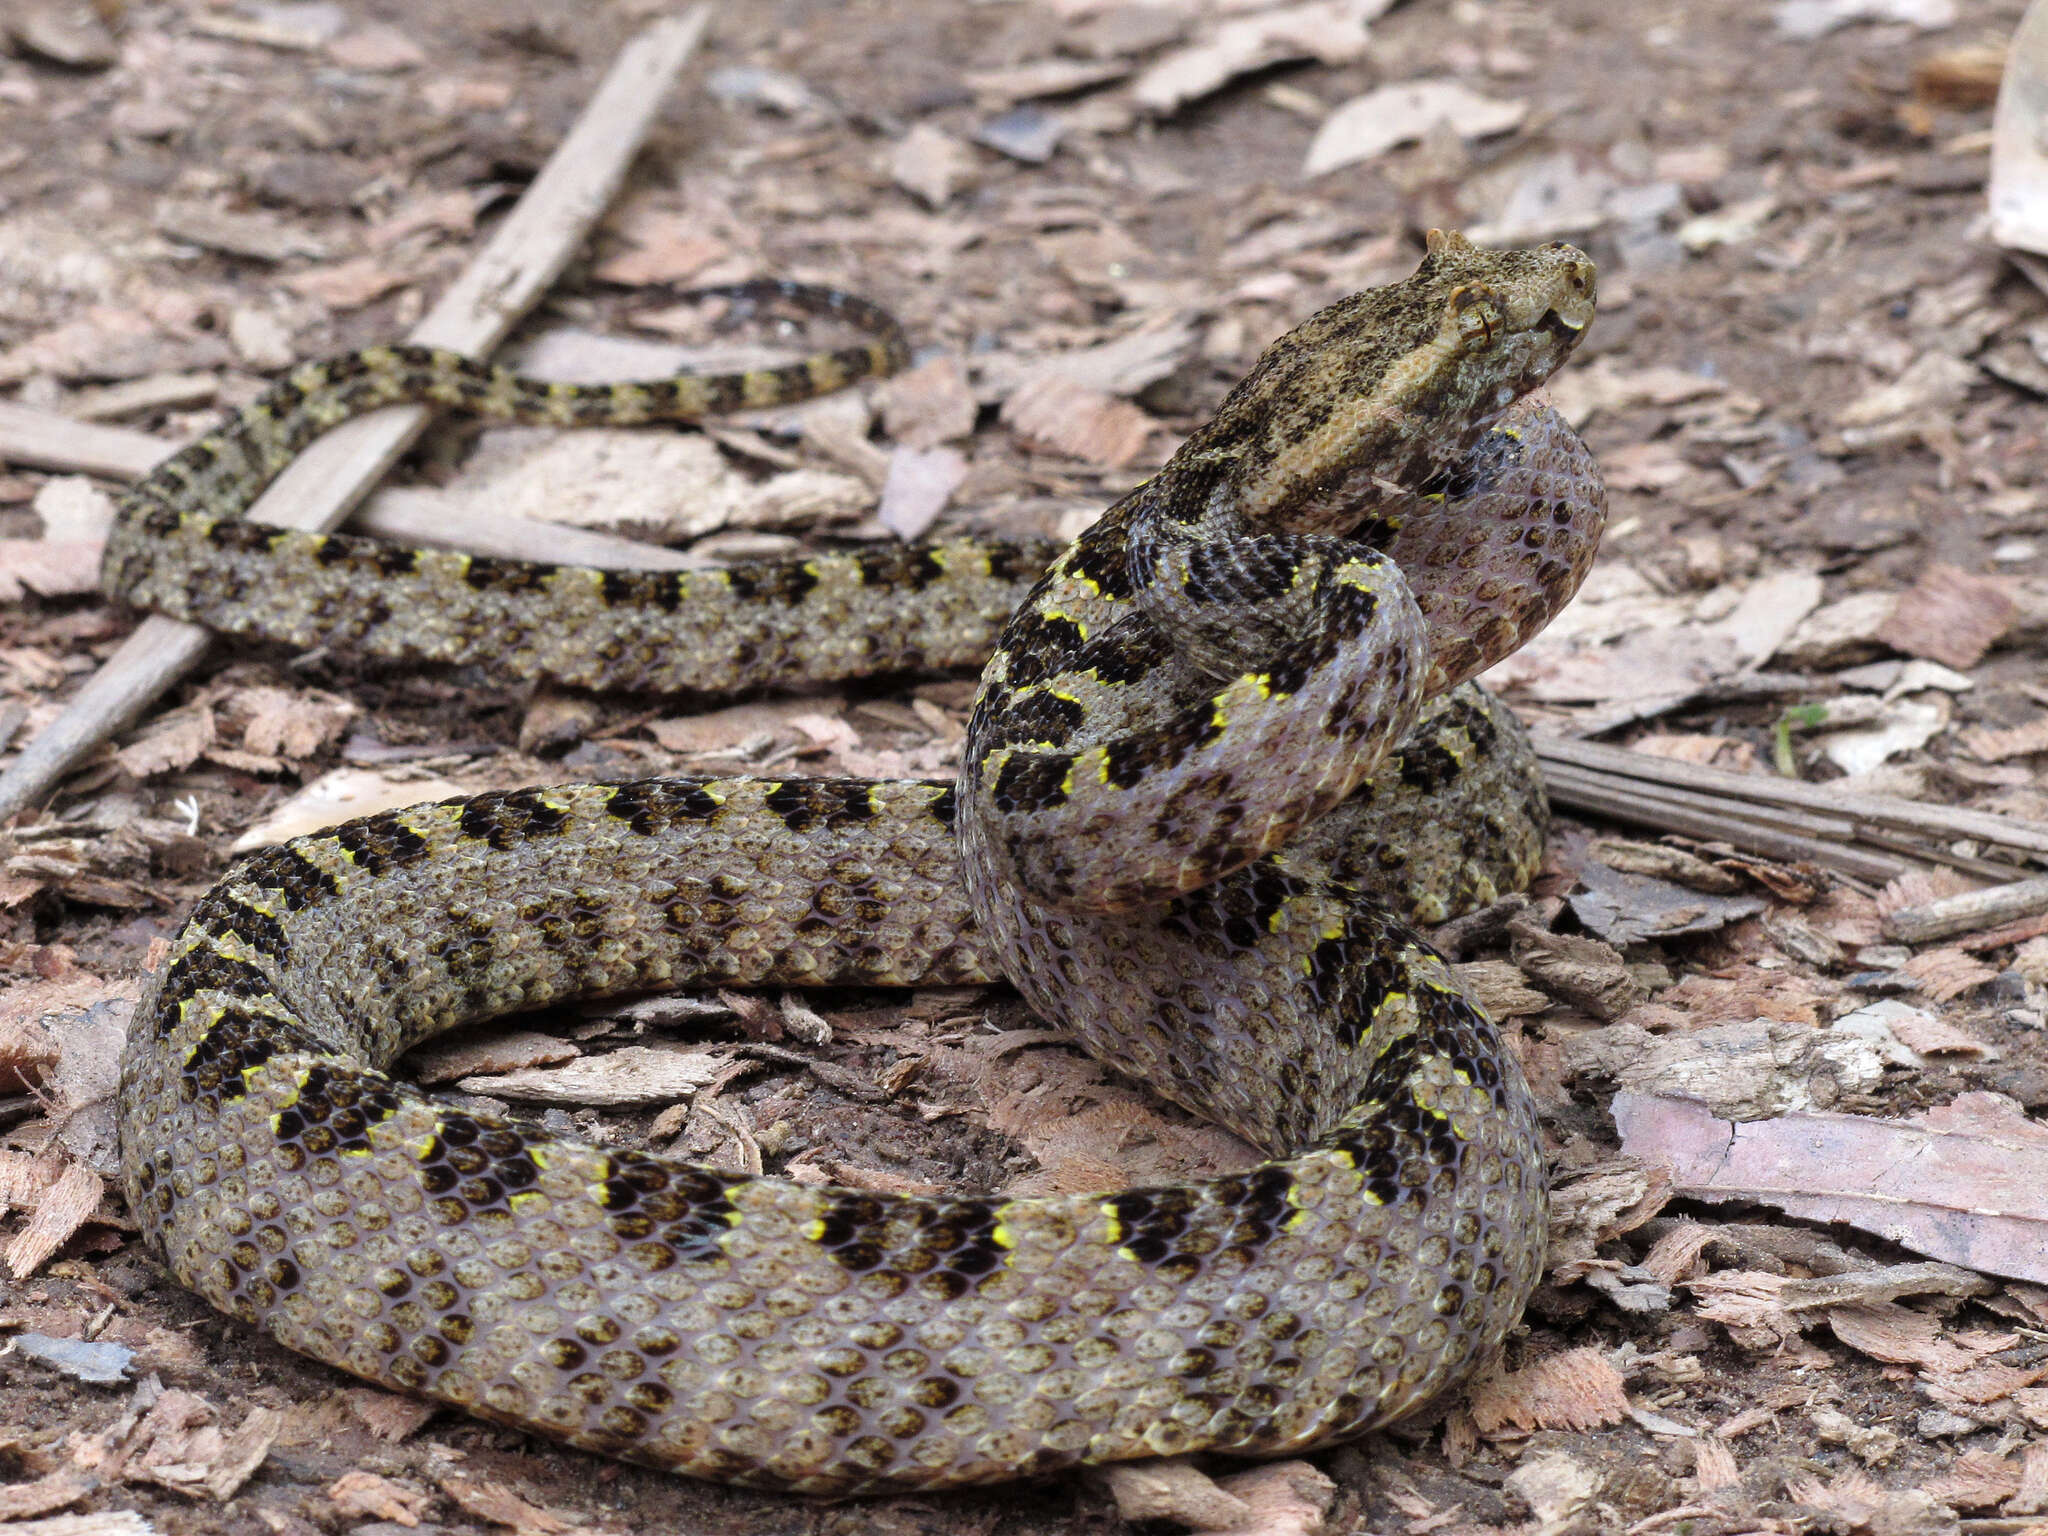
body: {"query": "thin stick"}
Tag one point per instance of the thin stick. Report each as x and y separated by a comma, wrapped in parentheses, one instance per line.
(537, 240)
(1973, 909)
(1945, 821)
(49, 441)
(1624, 799)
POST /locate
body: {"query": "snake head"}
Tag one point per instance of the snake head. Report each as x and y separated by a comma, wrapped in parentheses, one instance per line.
(1513, 316)
(1391, 387)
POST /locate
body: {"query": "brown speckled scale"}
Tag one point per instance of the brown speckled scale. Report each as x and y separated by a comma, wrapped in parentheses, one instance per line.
(1223, 751)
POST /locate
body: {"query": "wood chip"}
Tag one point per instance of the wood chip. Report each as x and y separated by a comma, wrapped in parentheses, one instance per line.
(1950, 615)
(1577, 1389)
(1176, 1491)
(1990, 745)
(365, 1493)
(466, 1054)
(493, 1501)
(59, 1212)
(633, 1077)
(1946, 974)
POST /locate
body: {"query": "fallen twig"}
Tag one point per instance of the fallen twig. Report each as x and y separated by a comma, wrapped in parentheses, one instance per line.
(49, 441)
(537, 240)
(1872, 837)
(1973, 909)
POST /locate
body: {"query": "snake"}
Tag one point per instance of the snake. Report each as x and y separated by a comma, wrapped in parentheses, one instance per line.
(1225, 756)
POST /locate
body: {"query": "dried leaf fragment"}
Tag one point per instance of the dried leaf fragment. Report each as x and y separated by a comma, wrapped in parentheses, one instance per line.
(365, 1493)
(1967, 1184)
(1950, 615)
(1374, 123)
(1082, 423)
(1578, 1389)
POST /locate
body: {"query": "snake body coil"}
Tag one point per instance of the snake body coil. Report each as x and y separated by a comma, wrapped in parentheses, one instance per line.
(1194, 761)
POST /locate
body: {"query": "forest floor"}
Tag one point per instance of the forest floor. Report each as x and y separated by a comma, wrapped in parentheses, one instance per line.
(1818, 391)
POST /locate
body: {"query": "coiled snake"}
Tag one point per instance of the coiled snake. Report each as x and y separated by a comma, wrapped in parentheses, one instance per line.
(1193, 760)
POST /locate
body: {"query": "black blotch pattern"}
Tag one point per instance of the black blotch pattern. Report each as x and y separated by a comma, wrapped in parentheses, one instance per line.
(805, 803)
(643, 589)
(1032, 781)
(486, 573)
(671, 1213)
(1103, 558)
(205, 969)
(1347, 612)
(223, 910)
(1048, 717)
(380, 843)
(1130, 759)
(1124, 655)
(334, 1110)
(649, 806)
(507, 818)
(771, 581)
(291, 874)
(1428, 766)
(1149, 1220)
(238, 1041)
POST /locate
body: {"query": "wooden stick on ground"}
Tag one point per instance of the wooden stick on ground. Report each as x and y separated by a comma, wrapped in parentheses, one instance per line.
(1860, 835)
(537, 240)
(50, 441)
(1973, 909)
(1916, 816)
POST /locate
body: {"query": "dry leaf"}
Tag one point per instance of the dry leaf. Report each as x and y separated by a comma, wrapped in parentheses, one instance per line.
(1950, 615)
(666, 248)
(742, 728)
(1967, 1184)
(1081, 423)
(931, 164)
(920, 483)
(1333, 31)
(286, 722)
(349, 284)
(1988, 745)
(929, 405)
(175, 740)
(376, 48)
(1374, 123)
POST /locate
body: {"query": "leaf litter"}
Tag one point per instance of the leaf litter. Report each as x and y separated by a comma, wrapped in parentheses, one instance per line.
(1776, 508)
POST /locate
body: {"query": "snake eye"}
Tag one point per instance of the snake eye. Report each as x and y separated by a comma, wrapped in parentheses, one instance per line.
(1476, 317)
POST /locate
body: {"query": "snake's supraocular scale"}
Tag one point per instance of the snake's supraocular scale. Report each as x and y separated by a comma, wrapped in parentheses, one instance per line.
(1222, 751)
